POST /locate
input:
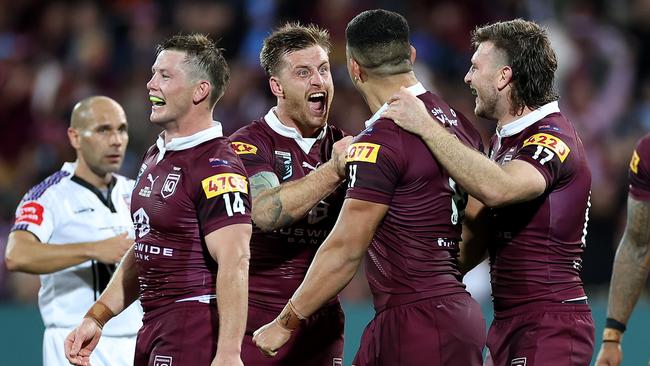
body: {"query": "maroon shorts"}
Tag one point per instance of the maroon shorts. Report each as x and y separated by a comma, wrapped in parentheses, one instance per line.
(448, 330)
(181, 334)
(318, 341)
(542, 334)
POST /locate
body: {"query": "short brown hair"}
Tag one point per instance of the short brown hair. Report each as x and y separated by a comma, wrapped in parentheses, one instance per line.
(204, 58)
(289, 38)
(528, 52)
(379, 41)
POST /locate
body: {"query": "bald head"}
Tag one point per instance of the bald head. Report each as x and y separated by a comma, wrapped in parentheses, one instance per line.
(99, 133)
(93, 109)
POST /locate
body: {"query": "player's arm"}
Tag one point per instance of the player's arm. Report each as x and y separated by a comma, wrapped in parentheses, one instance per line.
(473, 247)
(631, 266)
(229, 246)
(490, 183)
(277, 205)
(25, 253)
(122, 291)
(333, 267)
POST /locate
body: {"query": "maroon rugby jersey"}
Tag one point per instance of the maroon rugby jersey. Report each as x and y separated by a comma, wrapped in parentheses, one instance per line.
(639, 172)
(414, 251)
(536, 253)
(185, 190)
(280, 259)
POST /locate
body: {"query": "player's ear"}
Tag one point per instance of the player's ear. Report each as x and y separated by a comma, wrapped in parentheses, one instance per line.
(202, 91)
(276, 87)
(73, 136)
(355, 70)
(413, 54)
(504, 77)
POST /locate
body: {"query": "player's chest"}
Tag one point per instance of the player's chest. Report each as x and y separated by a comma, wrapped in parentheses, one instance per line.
(291, 163)
(159, 183)
(505, 149)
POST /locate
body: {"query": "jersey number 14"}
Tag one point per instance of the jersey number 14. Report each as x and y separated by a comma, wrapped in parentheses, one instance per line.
(234, 204)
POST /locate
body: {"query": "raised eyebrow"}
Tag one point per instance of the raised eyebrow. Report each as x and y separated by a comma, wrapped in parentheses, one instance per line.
(324, 63)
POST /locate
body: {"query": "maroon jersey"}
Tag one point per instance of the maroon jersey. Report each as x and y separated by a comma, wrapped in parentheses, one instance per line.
(640, 170)
(280, 259)
(185, 190)
(536, 253)
(414, 251)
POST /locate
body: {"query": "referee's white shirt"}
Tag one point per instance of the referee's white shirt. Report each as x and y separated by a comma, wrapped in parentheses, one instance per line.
(63, 210)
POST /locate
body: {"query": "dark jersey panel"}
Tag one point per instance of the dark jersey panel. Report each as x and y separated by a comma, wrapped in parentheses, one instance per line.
(639, 173)
(536, 254)
(280, 259)
(414, 251)
(176, 203)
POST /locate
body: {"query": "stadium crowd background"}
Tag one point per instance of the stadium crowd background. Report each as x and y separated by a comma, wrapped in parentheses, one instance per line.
(54, 53)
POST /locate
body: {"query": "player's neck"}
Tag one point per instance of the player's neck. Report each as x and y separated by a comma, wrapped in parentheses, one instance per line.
(286, 119)
(378, 90)
(191, 123)
(508, 117)
(84, 172)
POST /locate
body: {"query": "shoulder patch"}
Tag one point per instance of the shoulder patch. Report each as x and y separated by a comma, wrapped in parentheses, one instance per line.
(30, 212)
(634, 163)
(243, 148)
(554, 143)
(223, 183)
(363, 151)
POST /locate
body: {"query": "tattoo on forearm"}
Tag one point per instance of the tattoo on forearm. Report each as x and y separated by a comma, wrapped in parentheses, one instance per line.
(265, 186)
(631, 263)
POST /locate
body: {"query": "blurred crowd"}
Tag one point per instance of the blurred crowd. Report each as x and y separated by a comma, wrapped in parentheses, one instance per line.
(54, 53)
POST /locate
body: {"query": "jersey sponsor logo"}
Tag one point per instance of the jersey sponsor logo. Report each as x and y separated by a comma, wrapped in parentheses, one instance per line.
(162, 360)
(143, 167)
(634, 163)
(141, 222)
(146, 191)
(554, 143)
(219, 184)
(243, 148)
(309, 166)
(337, 361)
(318, 213)
(519, 361)
(508, 156)
(363, 151)
(144, 251)
(31, 212)
(443, 118)
(283, 161)
(85, 209)
(169, 186)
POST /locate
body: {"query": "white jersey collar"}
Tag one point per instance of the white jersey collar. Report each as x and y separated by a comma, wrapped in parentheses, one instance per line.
(417, 89)
(524, 122)
(187, 142)
(69, 167)
(305, 143)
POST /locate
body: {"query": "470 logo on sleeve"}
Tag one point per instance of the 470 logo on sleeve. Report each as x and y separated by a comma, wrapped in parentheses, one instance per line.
(363, 151)
(223, 183)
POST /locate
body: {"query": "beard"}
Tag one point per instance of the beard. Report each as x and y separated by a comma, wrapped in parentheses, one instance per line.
(488, 105)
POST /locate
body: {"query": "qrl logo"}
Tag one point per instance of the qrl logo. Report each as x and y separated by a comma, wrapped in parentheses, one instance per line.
(141, 222)
(162, 361)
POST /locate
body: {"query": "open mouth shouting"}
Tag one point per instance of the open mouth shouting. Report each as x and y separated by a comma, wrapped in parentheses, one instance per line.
(317, 103)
